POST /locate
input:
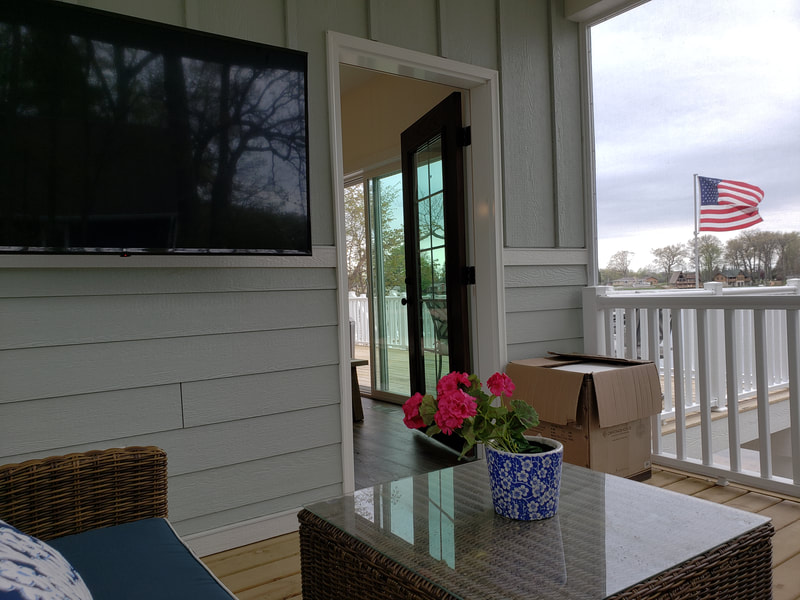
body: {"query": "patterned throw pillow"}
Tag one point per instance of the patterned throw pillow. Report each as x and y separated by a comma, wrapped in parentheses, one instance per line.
(32, 570)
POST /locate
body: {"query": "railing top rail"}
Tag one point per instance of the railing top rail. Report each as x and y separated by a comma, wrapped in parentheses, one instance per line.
(696, 301)
(713, 295)
(781, 290)
(765, 291)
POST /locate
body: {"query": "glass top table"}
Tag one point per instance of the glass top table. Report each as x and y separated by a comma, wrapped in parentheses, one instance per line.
(440, 532)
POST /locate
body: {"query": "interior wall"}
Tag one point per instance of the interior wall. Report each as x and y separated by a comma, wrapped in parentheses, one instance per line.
(376, 110)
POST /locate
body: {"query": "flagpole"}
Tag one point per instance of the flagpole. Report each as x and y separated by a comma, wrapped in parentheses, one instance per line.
(696, 233)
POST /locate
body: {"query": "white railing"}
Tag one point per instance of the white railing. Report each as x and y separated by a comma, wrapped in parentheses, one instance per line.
(716, 348)
(396, 322)
(359, 315)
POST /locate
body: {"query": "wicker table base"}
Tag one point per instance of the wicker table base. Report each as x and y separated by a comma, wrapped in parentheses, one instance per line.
(336, 566)
(346, 555)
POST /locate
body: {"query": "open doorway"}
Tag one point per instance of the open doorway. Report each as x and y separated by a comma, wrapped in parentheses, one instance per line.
(484, 193)
(376, 108)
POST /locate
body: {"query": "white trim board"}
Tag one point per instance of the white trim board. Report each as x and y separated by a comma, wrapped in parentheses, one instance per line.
(484, 209)
(321, 256)
(242, 534)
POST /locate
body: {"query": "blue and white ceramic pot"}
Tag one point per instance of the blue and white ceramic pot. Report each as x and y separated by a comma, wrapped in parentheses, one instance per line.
(526, 486)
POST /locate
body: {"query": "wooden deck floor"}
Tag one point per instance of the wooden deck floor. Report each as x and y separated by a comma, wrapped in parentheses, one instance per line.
(270, 570)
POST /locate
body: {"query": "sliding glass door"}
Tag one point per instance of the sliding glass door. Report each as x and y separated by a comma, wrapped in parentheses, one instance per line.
(388, 289)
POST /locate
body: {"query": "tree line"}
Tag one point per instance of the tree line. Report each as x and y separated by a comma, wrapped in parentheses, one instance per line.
(762, 256)
(383, 234)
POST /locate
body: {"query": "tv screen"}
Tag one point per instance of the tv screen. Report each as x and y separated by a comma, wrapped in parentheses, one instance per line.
(119, 135)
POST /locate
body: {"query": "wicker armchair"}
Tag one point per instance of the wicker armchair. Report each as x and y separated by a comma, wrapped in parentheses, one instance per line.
(63, 495)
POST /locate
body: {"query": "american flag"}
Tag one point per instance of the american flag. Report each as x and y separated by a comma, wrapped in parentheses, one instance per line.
(728, 205)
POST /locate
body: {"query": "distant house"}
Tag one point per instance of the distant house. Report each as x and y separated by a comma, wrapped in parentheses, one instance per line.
(650, 280)
(683, 279)
(624, 282)
(732, 278)
(633, 282)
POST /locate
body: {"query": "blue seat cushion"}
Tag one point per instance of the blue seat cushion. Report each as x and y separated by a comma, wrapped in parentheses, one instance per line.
(143, 560)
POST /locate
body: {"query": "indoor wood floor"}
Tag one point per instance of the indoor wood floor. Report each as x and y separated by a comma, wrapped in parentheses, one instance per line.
(385, 449)
(270, 570)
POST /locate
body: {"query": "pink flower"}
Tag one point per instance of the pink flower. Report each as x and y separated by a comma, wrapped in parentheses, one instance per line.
(413, 420)
(449, 383)
(454, 408)
(500, 384)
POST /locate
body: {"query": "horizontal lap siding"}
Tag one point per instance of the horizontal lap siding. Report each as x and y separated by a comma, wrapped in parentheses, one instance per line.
(234, 398)
(543, 309)
(254, 481)
(88, 368)
(161, 316)
(234, 372)
(115, 415)
(133, 281)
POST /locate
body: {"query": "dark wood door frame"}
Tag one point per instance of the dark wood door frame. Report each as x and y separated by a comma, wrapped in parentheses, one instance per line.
(443, 120)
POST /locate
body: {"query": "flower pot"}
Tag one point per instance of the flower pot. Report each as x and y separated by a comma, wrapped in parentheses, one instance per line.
(526, 486)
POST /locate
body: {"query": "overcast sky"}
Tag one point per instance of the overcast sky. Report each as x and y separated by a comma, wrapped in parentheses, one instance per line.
(686, 86)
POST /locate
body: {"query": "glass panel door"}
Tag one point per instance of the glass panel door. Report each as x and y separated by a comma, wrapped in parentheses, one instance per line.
(388, 275)
(431, 260)
(435, 218)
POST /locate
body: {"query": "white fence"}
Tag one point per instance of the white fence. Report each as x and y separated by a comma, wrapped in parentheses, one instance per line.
(396, 322)
(715, 348)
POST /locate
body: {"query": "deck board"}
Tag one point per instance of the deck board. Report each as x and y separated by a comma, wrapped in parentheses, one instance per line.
(786, 580)
(270, 569)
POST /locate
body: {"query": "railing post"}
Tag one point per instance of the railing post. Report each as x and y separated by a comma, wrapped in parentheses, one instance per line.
(793, 342)
(762, 394)
(716, 348)
(703, 387)
(593, 322)
(679, 376)
(732, 338)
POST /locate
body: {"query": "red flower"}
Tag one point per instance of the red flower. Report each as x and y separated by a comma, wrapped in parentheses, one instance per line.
(453, 408)
(500, 384)
(449, 383)
(413, 420)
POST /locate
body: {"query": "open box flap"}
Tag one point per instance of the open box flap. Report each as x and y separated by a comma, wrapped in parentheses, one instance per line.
(625, 390)
(552, 392)
(577, 357)
(627, 394)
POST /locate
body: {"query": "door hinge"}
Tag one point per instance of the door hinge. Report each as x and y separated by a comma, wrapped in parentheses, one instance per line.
(465, 136)
(469, 275)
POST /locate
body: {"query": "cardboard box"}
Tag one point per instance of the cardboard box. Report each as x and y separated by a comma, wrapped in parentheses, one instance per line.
(598, 407)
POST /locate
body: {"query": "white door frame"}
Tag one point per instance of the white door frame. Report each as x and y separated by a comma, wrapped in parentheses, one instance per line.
(484, 200)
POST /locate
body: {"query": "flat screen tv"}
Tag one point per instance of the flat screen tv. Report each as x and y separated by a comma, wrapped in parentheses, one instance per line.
(125, 136)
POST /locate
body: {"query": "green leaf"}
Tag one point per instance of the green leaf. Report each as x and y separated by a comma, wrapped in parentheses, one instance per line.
(526, 414)
(467, 447)
(427, 410)
(467, 430)
(496, 413)
(433, 430)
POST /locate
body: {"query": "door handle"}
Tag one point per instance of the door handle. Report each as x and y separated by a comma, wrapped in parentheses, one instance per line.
(403, 301)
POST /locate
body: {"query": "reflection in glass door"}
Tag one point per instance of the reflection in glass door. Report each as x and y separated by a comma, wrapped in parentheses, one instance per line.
(388, 289)
(431, 260)
(435, 242)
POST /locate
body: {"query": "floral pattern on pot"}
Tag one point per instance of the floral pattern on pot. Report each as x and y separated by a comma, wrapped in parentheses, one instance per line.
(525, 486)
